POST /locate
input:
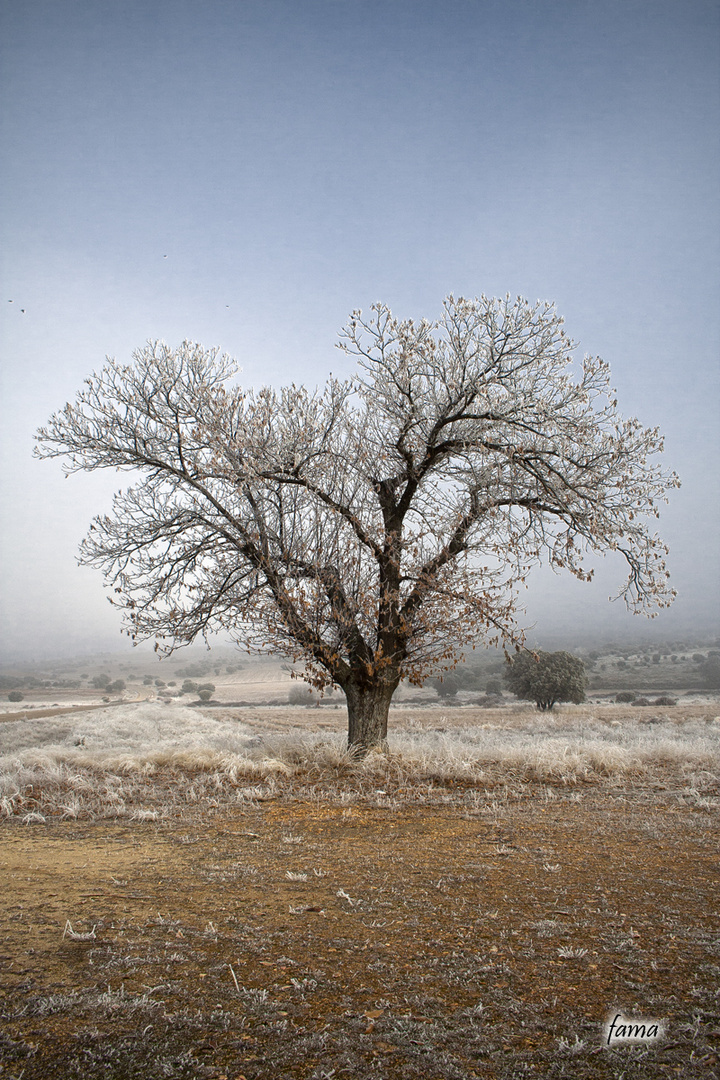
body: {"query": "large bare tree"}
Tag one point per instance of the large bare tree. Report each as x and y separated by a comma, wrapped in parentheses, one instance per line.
(374, 528)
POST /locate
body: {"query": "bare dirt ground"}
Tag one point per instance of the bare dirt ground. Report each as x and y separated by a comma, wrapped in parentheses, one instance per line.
(327, 927)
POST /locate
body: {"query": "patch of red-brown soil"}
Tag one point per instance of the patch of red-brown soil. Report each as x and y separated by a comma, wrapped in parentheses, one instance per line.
(316, 940)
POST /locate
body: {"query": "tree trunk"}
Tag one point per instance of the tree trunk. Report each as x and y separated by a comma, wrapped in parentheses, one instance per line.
(367, 716)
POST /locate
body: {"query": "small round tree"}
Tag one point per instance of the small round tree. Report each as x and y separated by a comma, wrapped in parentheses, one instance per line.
(547, 678)
(446, 687)
(15, 695)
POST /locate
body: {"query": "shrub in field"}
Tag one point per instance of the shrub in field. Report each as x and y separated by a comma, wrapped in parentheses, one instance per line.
(194, 671)
(300, 695)
(625, 697)
(547, 678)
(710, 672)
(15, 695)
(446, 687)
(207, 686)
(205, 695)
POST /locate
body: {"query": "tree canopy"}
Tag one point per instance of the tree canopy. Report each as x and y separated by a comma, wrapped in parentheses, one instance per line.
(376, 526)
(547, 678)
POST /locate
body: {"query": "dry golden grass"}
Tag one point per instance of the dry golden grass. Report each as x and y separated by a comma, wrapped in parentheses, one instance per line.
(247, 901)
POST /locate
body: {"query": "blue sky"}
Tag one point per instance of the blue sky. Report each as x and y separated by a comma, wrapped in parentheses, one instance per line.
(246, 173)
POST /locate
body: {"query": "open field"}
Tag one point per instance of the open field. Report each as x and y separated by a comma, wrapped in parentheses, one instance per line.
(219, 892)
(676, 669)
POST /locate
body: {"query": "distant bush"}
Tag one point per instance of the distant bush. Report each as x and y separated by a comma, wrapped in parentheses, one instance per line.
(664, 700)
(15, 695)
(116, 687)
(547, 678)
(494, 687)
(301, 694)
(207, 686)
(205, 695)
(193, 671)
(488, 701)
(189, 687)
(709, 672)
(446, 687)
(101, 681)
(625, 696)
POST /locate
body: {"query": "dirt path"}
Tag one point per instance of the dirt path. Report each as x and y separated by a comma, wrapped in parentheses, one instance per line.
(314, 940)
(59, 710)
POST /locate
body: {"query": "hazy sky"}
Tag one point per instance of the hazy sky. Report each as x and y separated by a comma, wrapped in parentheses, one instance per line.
(244, 173)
